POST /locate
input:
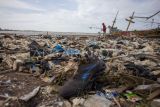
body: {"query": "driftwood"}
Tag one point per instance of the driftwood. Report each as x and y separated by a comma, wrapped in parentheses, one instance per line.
(129, 80)
(147, 87)
(6, 71)
(154, 94)
(140, 80)
(27, 97)
(9, 51)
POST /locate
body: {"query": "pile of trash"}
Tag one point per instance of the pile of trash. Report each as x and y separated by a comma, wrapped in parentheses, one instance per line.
(52, 71)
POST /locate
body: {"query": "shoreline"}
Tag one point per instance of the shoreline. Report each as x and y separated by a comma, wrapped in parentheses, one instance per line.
(27, 33)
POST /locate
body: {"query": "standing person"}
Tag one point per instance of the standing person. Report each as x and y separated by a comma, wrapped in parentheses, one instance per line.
(104, 29)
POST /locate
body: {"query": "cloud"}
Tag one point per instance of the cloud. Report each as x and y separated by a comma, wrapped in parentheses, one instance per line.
(18, 5)
(88, 13)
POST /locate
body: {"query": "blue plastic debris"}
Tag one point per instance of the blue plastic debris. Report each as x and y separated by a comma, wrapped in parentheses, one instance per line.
(108, 95)
(85, 76)
(33, 67)
(87, 71)
(84, 80)
(58, 48)
(72, 51)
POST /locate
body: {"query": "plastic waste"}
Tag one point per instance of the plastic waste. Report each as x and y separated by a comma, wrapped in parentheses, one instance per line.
(108, 95)
(93, 44)
(33, 68)
(58, 48)
(72, 51)
(84, 80)
(37, 50)
(140, 71)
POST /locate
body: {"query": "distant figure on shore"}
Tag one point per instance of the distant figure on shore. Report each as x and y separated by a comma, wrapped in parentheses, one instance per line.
(104, 29)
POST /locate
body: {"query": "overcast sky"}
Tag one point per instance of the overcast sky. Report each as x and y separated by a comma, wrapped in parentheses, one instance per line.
(74, 15)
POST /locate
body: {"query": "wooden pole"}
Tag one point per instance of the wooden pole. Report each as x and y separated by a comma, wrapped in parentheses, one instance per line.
(130, 21)
(114, 21)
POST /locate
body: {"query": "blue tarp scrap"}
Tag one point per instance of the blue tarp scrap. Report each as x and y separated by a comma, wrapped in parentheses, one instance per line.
(72, 51)
(58, 48)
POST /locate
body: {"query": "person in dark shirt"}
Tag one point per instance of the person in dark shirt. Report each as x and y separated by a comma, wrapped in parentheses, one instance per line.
(104, 29)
